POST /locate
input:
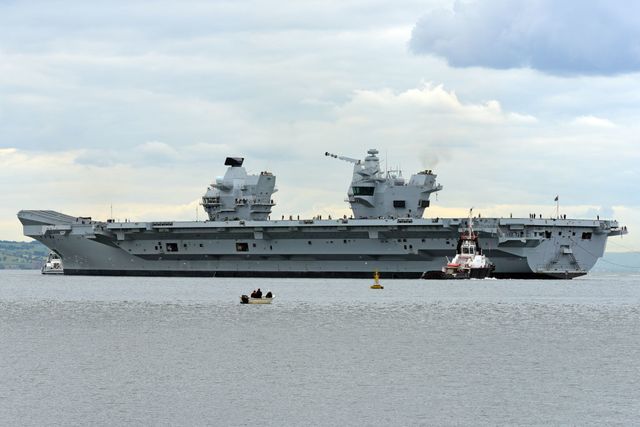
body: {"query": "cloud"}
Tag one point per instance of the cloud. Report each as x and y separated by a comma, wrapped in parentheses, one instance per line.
(593, 121)
(149, 154)
(571, 37)
(158, 150)
(155, 154)
(428, 101)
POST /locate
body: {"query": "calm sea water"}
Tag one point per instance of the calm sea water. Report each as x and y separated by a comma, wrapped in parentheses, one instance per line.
(94, 350)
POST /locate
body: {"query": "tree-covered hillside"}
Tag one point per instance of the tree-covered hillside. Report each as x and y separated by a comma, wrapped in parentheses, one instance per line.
(22, 255)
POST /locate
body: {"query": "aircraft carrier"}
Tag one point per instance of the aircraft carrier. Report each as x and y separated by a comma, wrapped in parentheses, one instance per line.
(386, 233)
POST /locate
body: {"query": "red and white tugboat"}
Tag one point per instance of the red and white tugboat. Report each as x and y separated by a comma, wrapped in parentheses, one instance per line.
(53, 264)
(469, 262)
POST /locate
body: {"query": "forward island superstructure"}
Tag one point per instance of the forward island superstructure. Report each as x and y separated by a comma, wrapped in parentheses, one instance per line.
(387, 233)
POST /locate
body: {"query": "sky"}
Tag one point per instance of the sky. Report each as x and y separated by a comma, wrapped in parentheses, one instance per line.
(133, 105)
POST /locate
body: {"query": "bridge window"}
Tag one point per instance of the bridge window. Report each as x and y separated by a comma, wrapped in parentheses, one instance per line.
(242, 247)
(398, 204)
(424, 203)
(363, 191)
(586, 236)
(172, 247)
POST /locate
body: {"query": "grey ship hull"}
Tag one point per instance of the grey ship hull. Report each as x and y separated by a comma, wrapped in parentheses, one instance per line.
(397, 248)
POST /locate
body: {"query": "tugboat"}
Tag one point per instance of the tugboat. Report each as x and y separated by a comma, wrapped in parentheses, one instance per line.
(469, 262)
(53, 264)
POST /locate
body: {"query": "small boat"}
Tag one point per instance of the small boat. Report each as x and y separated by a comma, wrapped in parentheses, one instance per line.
(376, 283)
(246, 299)
(469, 262)
(53, 264)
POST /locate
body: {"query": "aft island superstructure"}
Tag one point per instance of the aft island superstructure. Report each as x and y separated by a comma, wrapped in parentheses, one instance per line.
(387, 233)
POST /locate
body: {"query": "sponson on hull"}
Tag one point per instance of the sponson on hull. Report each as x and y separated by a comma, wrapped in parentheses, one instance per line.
(387, 233)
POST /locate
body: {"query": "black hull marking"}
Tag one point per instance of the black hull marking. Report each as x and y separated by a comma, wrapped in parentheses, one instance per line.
(291, 274)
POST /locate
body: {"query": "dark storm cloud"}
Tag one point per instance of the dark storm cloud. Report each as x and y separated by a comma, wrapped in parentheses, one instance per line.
(569, 37)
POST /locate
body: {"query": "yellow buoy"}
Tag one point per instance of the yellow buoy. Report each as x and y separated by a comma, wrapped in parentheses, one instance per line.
(376, 283)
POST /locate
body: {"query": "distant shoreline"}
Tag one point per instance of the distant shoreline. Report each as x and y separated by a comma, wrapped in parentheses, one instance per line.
(22, 255)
